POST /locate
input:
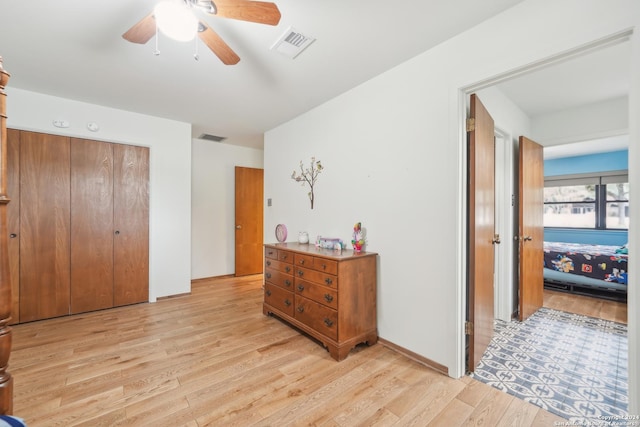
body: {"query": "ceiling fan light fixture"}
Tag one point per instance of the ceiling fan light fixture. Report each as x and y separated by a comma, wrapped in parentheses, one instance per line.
(175, 20)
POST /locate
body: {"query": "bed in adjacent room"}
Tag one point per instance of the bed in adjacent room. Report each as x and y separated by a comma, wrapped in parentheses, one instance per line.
(596, 270)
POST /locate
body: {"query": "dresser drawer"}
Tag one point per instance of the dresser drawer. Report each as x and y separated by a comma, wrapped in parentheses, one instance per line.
(285, 256)
(303, 260)
(271, 253)
(316, 277)
(278, 298)
(322, 294)
(316, 263)
(279, 265)
(278, 278)
(325, 265)
(317, 316)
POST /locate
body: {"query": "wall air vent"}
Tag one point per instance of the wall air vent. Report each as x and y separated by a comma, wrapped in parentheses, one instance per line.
(292, 43)
(210, 137)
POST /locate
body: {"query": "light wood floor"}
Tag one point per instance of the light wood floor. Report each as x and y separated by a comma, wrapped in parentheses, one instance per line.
(213, 358)
(588, 306)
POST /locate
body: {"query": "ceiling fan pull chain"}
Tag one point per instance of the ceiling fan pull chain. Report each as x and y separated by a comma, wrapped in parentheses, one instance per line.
(157, 51)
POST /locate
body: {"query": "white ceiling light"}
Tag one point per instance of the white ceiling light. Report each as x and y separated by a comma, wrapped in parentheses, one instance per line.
(176, 20)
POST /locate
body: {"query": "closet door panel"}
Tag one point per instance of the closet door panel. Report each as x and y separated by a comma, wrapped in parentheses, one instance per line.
(131, 221)
(13, 219)
(91, 225)
(44, 226)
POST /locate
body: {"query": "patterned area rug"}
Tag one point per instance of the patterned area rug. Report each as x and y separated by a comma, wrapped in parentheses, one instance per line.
(571, 365)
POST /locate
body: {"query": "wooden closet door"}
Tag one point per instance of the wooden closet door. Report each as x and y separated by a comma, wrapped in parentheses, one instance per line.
(91, 225)
(13, 219)
(131, 221)
(44, 226)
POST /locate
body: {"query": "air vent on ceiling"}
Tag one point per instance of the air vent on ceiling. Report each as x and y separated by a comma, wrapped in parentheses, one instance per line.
(210, 137)
(292, 43)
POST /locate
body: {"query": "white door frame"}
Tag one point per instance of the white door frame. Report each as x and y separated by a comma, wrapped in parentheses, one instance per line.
(504, 224)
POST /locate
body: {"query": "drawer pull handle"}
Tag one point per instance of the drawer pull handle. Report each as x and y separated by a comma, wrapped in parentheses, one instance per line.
(287, 302)
(287, 282)
(300, 273)
(324, 266)
(270, 252)
(300, 308)
(300, 288)
(328, 322)
(268, 263)
(328, 281)
(287, 269)
(328, 297)
(301, 262)
(268, 275)
(268, 293)
(285, 256)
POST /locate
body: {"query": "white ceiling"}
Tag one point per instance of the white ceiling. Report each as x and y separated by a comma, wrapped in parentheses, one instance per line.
(586, 79)
(593, 77)
(592, 146)
(74, 49)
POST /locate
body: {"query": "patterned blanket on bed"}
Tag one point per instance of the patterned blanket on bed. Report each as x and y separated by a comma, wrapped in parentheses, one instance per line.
(596, 261)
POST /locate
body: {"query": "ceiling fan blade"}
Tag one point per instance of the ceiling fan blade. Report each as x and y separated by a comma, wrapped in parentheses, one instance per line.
(217, 45)
(142, 31)
(245, 10)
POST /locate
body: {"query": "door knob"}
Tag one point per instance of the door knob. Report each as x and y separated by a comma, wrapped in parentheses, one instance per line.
(496, 239)
(528, 238)
(13, 235)
(238, 227)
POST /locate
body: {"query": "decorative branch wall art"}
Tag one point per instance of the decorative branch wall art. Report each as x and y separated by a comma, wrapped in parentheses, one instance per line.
(308, 176)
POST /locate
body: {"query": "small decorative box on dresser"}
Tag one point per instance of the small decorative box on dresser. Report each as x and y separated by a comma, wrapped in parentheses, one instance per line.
(328, 294)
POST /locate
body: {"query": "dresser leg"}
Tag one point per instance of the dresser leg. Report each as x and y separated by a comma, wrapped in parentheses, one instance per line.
(338, 353)
(372, 339)
(333, 351)
(344, 352)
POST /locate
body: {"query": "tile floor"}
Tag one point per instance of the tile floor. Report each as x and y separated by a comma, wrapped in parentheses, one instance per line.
(571, 365)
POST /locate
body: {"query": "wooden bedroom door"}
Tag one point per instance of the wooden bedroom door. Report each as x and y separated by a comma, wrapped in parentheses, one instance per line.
(531, 233)
(45, 212)
(91, 225)
(481, 230)
(109, 225)
(249, 192)
(131, 224)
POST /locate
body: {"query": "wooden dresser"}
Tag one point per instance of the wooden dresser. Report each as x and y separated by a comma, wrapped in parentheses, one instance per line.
(329, 295)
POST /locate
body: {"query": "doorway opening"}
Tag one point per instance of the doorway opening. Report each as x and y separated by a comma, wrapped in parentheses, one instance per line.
(502, 299)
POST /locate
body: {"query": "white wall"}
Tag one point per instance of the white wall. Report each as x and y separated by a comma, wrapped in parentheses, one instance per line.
(393, 151)
(170, 172)
(213, 205)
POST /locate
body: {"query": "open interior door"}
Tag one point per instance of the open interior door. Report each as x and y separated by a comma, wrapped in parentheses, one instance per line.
(531, 235)
(249, 221)
(481, 231)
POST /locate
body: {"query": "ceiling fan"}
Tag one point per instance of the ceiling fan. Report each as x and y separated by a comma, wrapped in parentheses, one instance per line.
(243, 10)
